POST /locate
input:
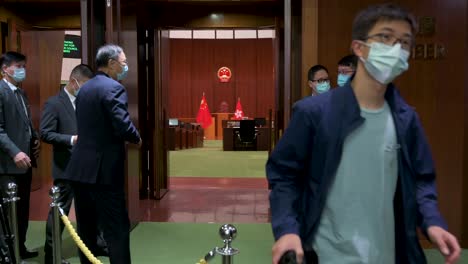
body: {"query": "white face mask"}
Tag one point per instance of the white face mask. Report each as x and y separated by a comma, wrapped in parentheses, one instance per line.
(384, 63)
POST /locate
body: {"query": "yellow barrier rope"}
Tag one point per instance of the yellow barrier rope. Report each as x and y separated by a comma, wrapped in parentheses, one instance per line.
(79, 242)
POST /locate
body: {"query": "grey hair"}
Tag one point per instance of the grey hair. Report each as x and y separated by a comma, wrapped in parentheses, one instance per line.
(107, 52)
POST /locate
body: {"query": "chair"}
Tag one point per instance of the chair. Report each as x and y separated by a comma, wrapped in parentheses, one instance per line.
(247, 135)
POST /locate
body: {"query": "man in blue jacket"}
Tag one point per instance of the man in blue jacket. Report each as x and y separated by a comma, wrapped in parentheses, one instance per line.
(352, 178)
(96, 166)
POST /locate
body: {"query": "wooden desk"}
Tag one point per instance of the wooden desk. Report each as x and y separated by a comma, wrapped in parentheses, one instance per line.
(189, 136)
(263, 138)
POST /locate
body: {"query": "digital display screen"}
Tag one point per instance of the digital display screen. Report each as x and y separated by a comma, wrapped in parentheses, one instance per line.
(72, 47)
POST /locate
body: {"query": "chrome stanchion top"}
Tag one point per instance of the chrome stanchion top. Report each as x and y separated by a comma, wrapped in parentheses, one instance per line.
(228, 233)
(12, 190)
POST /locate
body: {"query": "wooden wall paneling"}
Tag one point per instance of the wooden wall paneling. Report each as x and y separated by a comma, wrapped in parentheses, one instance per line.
(199, 16)
(144, 53)
(310, 14)
(223, 52)
(50, 53)
(160, 151)
(180, 81)
(439, 102)
(246, 77)
(279, 78)
(464, 206)
(296, 51)
(265, 76)
(128, 41)
(165, 75)
(287, 62)
(194, 65)
(2, 38)
(203, 76)
(28, 42)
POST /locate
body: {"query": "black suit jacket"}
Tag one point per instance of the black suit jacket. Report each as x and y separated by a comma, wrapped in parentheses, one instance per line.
(58, 125)
(104, 126)
(14, 130)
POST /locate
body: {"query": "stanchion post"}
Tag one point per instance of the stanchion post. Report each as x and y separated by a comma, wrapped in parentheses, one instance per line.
(12, 190)
(54, 194)
(228, 233)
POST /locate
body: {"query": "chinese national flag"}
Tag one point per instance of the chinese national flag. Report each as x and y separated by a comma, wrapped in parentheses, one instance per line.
(204, 115)
(239, 114)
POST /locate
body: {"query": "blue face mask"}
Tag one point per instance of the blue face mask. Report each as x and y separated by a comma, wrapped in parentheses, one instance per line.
(342, 79)
(123, 74)
(323, 87)
(384, 63)
(19, 74)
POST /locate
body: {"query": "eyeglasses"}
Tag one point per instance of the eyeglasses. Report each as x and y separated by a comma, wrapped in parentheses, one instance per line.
(346, 72)
(389, 39)
(322, 80)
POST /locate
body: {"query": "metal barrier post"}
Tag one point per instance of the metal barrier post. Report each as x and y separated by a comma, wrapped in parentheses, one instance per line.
(228, 233)
(12, 190)
(54, 193)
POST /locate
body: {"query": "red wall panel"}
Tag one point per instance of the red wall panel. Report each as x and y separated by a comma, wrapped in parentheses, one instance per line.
(193, 71)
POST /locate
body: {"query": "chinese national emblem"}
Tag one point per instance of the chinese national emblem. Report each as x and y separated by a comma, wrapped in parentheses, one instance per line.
(224, 74)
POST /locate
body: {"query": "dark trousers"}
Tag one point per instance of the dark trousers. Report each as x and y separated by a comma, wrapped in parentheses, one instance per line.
(65, 200)
(23, 183)
(103, 207)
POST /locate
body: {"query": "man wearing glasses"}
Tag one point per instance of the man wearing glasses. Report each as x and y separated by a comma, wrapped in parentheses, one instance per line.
(318, 80)
(352, 177)
(346, 69)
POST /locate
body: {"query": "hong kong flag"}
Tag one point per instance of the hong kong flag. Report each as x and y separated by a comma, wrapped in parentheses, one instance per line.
(239, 114)
(204, 115)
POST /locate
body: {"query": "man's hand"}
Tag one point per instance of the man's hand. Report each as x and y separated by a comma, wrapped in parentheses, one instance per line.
(36, 148)
(22, 160)
(446, 243)
(74, 139)
(285, 243)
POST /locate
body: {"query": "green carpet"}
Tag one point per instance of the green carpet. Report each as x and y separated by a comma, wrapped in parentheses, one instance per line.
(186, 243)
(212, 161)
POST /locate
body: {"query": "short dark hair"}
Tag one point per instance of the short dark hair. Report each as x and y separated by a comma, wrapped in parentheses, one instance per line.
(11, 57)
(348, 60)
(82, 70)
(313, 70)
(367, 18)
(107, 52)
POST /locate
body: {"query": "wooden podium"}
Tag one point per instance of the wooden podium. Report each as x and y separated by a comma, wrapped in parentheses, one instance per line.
(219, 117)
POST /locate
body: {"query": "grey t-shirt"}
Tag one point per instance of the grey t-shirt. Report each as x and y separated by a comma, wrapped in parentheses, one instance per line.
(357, 224)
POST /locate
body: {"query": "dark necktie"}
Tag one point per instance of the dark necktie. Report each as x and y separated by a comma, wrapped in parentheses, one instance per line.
(20, 100)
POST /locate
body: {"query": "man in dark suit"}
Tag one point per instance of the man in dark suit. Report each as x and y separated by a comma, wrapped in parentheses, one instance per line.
(19, 143)
(58, 127)
(97, 163)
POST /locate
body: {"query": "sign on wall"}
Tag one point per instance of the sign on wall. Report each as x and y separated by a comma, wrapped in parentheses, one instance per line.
(72, 47)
